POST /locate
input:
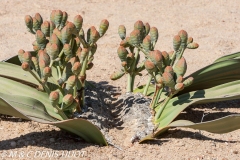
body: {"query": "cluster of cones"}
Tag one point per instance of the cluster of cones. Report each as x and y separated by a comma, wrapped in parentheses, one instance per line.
(61, 48)
(167, 69)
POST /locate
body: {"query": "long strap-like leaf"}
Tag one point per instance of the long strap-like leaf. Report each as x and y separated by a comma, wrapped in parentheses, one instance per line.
(31, 109)
(28, 107)
(176, 105)
(16, 73)
(227, 57)
(221, 125)
(213, 75)
(11, 87)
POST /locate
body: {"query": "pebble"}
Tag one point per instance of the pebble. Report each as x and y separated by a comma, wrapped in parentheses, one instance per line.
(13, 144)
(52, 140)
(180, 144)
(107, 101)
(120, 156)
(235, 152)
(213, 144)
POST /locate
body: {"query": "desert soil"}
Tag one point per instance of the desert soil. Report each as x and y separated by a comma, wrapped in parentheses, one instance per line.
(214, 25)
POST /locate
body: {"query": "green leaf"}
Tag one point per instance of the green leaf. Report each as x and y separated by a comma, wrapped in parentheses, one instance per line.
(11, 87)
(213, 75)
(15, 100)
(207, 77)
(31, 109)
(221, 125)
(16, 73)
(82, 128)
(227, 57)
(176, 105)
(28, 107)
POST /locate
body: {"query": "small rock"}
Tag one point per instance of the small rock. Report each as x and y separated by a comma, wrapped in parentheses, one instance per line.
(120, 156)
(213, 144)
(235, 152)
(209, 152)
(180, 144)
(107, 101)
(13, 144)
(52, 140)
(19, 120)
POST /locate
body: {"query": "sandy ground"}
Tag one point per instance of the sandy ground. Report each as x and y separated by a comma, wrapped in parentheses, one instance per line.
(214, 25)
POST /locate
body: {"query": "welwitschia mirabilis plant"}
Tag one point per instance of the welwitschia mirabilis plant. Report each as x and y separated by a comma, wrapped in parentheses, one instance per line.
(61, 47)
(139, 41)
(167, 69)
(51, 80)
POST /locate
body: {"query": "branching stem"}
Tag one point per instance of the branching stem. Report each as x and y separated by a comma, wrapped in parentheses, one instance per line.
(156, 96)
(43, 84)
(147, 85)
(60, 112)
